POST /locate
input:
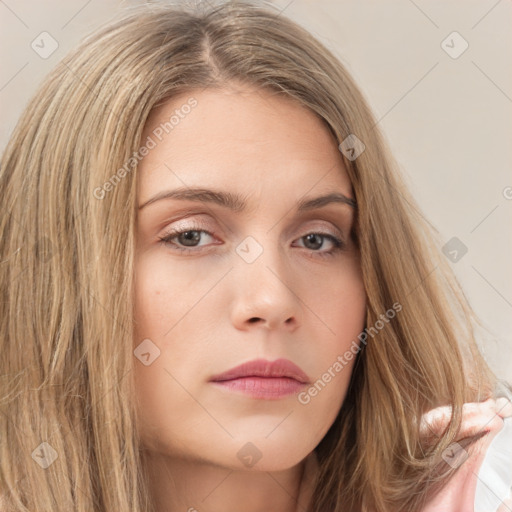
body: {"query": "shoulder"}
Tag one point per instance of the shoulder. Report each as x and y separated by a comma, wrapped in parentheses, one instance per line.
(483, 482)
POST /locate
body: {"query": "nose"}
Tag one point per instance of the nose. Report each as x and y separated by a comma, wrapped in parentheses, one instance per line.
(263, 297)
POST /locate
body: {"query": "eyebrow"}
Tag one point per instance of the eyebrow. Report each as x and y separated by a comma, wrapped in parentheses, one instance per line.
(237, 203)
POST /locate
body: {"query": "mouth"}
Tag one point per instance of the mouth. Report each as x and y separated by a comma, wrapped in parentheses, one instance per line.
(270, 380)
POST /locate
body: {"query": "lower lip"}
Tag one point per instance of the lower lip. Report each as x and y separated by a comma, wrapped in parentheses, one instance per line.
(269, 388)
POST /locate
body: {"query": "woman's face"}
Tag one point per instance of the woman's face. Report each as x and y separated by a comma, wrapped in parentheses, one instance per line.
(254, 276)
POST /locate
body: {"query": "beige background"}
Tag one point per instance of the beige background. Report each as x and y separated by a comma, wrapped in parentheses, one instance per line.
(447, 119)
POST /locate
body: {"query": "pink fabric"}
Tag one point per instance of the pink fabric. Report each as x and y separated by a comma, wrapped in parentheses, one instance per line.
(459, 494)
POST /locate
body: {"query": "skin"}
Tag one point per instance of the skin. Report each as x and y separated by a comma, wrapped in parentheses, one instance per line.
(209, 310)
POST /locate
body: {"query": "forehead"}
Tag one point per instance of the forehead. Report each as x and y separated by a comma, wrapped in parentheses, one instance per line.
(239, 137)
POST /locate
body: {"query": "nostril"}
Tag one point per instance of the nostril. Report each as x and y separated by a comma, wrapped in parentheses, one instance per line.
(254, 319)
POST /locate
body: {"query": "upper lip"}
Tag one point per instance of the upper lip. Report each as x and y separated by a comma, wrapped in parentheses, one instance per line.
(264, 368)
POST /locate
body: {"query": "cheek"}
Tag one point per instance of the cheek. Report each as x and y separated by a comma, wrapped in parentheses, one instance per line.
(340, 305)
(339, 301)
(343, 316)
(161, 295)
(163, 386)
(148, 297)
(164, 408)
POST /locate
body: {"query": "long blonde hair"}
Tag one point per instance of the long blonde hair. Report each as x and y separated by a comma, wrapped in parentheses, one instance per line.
(67, 271)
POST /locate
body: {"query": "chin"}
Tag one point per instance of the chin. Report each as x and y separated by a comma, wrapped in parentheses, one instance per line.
(261, 454)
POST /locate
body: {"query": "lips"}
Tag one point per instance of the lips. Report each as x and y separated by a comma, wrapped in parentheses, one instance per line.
(280, 368)
(263, 380)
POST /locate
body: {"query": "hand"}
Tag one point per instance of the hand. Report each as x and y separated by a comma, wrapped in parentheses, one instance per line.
(477, 417)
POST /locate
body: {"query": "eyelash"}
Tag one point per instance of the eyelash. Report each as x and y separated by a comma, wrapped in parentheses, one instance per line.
(339, 245)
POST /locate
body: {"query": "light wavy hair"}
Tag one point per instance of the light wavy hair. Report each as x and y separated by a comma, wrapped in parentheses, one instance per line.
(67, 261)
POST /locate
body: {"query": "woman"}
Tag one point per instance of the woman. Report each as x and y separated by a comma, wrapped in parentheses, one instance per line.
(219, 295)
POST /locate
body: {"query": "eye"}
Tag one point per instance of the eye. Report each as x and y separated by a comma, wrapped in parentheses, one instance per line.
(316, 241)
(186, 239)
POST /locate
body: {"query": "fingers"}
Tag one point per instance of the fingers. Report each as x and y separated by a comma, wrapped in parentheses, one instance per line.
(504, 407)
(477, 417)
